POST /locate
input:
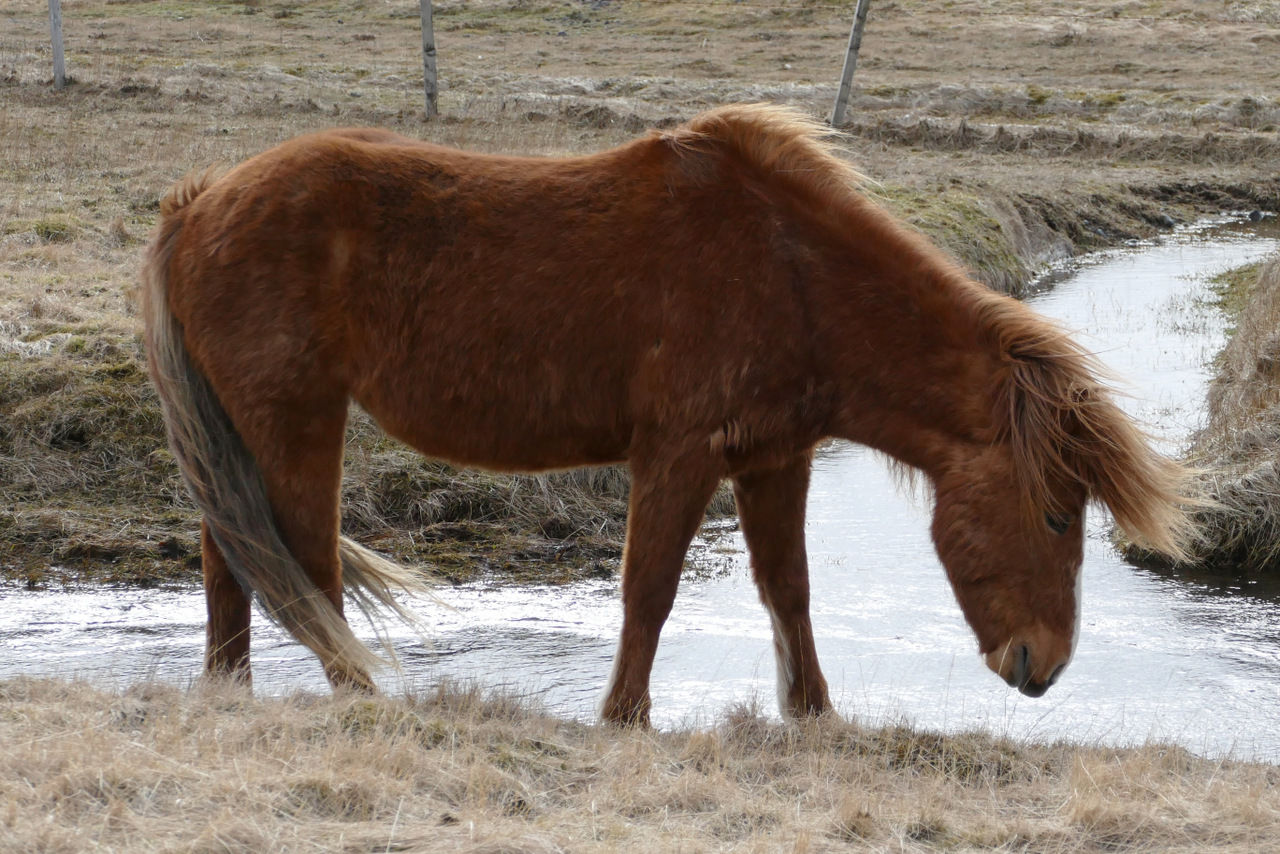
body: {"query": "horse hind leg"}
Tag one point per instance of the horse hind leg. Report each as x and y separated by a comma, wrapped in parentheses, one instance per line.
(297, 444)
(227, 633)
(771, 507)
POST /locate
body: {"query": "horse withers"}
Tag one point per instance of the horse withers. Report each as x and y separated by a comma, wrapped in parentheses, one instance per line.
(703, 303)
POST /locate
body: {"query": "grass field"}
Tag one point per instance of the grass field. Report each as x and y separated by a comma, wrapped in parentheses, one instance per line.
(1013, 133)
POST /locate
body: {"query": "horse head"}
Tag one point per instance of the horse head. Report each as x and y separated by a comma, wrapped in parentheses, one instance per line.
(1016, 573)
(1010, 514)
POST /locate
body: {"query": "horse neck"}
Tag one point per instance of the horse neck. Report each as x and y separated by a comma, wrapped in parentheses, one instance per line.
(917, 375)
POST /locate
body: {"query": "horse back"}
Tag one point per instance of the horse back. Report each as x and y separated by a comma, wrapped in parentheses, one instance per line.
(516, 313)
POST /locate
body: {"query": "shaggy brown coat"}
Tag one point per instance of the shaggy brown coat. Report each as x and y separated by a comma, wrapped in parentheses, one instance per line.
(702, 303)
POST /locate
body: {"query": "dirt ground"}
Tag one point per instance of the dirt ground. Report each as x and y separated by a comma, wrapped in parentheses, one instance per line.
(1014, 134)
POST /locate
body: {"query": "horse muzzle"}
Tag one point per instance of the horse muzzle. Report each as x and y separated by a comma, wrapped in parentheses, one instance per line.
(1016, 666)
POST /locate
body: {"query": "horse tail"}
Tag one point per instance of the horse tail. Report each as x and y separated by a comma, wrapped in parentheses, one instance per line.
(371, 583)
(185, 191)
(228, 487)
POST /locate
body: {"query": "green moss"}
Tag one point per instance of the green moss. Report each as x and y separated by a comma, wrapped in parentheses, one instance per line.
(53, 230)
(50, 229)
(1109, 99)
(1231, 291)
(955, 220)
(887, 92)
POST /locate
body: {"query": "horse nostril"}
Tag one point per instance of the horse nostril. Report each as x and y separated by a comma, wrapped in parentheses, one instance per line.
(1021, 667)
(1037, 689)
(1034, 689)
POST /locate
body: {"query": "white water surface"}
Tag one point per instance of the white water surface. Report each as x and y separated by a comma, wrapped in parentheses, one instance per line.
(1173, 659)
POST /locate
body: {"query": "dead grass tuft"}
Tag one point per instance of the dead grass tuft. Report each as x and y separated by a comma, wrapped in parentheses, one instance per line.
(1237, 451)
(854, 822)
(118, 235)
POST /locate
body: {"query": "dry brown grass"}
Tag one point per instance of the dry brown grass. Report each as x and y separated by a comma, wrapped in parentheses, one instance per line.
(1239, 449)
(1011, 132)
(158, 769)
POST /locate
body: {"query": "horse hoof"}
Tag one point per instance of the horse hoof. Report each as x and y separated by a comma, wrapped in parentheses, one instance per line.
(356, 682)
(627, 716)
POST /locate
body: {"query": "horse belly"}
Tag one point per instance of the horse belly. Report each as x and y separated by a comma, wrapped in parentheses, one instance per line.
(501, 422)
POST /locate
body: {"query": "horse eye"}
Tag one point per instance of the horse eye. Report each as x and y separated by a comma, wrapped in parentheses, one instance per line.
(1059, 524)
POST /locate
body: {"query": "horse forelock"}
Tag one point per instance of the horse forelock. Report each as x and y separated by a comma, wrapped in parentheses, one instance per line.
(779, 141)
(1060, 416)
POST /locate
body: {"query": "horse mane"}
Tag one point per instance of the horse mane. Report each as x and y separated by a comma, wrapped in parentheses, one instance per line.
(804, 154)
(1054, 408)
(779, 141)
(1065, 427)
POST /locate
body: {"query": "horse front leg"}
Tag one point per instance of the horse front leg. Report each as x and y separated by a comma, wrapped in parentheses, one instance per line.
(669, 494)
(771, 506)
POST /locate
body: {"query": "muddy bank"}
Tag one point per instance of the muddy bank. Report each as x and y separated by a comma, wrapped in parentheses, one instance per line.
(92, 493)
(1006, 234)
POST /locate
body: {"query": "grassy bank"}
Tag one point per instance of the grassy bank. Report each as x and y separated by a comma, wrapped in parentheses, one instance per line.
(1239, 449)
(1065, 139)
(92, 493)
(159, 769)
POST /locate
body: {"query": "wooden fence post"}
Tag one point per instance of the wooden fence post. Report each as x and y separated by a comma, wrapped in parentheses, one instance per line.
(55, 24)
(429, 84)
(850, 62)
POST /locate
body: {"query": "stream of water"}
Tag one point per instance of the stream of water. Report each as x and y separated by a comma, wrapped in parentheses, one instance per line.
(1196, 661)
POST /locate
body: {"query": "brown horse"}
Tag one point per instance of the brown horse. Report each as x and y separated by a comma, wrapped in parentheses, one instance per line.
(704, 303)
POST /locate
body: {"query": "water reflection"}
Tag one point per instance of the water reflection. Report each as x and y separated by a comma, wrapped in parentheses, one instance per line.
(1190, 658)
(1253, 584)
